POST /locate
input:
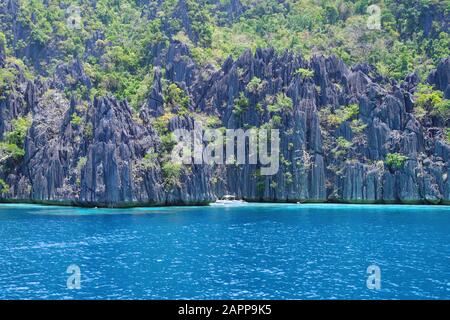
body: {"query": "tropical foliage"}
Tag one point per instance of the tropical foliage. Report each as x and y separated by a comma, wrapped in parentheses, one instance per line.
(116, 39)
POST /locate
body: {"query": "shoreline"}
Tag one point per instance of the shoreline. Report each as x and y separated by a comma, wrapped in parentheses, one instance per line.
(131, 205)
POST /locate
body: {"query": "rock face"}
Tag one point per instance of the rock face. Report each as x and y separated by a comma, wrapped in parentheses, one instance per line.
(441, 77)
(103, 153)
(2, 55)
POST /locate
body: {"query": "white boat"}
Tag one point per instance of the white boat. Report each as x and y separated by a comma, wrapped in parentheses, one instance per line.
(228, 200)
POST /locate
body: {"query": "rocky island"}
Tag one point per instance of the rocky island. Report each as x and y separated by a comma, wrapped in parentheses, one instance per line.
(348, 132)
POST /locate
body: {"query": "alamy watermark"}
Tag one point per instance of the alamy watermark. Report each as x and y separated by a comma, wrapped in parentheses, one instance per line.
(374, 278)
(74, 280)
(73, 17)
(228, 146)
(374, 20)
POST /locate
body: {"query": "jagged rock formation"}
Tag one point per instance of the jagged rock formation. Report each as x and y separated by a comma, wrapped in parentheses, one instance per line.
(112, 155)
(2, 55)
(440, 78)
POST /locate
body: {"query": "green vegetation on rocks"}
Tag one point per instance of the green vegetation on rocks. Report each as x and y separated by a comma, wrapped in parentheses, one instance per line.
(396, 160)
(115, 39)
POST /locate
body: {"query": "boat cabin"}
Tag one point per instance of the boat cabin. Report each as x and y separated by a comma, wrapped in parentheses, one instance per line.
(229, 197)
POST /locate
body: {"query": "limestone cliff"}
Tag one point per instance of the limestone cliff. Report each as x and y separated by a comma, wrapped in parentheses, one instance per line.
(111, 154)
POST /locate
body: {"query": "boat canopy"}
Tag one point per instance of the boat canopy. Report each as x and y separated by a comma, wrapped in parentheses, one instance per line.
(229, 197)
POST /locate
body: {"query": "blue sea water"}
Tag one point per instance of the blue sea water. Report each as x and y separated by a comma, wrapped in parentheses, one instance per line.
(250, 252)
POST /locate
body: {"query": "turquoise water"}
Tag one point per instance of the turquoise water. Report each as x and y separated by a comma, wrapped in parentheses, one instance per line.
(251, 252)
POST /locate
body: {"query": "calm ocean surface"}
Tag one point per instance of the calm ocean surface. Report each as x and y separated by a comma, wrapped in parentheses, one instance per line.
(250, 252)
